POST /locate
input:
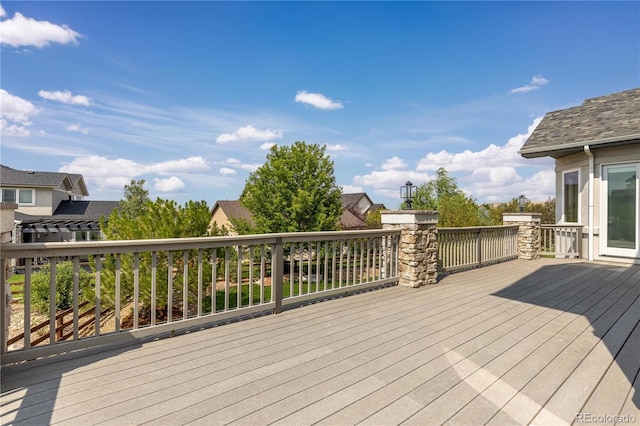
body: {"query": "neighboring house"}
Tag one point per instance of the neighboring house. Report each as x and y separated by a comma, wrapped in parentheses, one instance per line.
(224, 210)
(596, 147)
(51, 206)
(355, 208)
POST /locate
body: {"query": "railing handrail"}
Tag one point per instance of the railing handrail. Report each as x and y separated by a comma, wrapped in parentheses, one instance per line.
(476, 228)
(10, 250)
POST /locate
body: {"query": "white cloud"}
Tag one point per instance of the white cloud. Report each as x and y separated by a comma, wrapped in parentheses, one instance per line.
(13, 130)
(2, 12)
(20, 31)
(491, 156)
(184, 165)
(250, 133)
(172, 184)
(226, 171)
(267, 146)
(536, 82)
(391, 180)
(66, 97)
(337, 147)
(351, 189)
(16, 109)
(77, 128)
(496, 173)
(394, 163)
(250, 167)
(103, 172)
(317, 100)
(114, 174)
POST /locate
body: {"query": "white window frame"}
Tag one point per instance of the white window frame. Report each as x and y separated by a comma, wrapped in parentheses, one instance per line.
(562, 198)
(604, 230)
(17, 192)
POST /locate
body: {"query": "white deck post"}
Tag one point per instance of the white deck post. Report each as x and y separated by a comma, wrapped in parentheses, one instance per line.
(529, 245)
(418, 251)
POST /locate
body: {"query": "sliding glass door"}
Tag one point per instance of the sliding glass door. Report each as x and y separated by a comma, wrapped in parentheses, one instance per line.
(620, 227)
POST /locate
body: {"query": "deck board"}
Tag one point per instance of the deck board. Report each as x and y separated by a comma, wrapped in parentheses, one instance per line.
(513, 343)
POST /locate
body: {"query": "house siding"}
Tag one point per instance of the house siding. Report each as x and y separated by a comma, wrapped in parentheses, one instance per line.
(580, 162)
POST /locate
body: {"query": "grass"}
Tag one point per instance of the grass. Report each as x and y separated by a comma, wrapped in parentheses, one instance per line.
(286, 291)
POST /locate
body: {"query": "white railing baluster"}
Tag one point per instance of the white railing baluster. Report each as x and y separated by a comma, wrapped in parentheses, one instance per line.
(26, 300)
(169, 286)
(136, 289)
(154, 278)
(200, 282)
(76, 295)
(52, 301)
(117, 291)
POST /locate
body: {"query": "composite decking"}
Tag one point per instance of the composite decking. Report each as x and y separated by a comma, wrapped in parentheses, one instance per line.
(543, 342)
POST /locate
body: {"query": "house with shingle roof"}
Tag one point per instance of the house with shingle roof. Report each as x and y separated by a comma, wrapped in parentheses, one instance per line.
(51, 206)
(355, 206)
(596, 147)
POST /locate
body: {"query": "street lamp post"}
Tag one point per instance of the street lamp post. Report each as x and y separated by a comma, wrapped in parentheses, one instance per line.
(407, 192)
(521, 202)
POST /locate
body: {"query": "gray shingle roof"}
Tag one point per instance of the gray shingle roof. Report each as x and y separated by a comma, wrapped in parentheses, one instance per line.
(32, 179)
(605, 120)
(234, 209)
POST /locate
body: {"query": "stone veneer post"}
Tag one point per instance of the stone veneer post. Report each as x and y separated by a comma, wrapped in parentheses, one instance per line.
(418, 250)
(7, 217)
(528, 233)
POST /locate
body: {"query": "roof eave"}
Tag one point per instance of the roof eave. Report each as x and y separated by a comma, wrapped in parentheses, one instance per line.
(557, 151)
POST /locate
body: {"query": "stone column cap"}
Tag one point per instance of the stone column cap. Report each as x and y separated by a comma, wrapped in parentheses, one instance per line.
(409, 216)
(521, 217)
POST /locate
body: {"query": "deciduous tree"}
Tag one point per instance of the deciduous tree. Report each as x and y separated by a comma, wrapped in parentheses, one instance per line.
(294, 190)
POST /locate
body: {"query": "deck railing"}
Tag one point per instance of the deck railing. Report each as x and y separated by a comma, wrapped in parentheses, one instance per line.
(473, 247)
(563, 241)
(148, 287)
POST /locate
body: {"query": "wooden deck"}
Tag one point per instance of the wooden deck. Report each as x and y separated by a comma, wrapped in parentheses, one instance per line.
(543, 342)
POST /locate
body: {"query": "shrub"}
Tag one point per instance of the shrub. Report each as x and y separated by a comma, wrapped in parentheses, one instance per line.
(64, 287)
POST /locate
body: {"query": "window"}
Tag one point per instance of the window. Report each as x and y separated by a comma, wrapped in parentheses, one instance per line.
(24, 196)
(570, 197)
(8, 195)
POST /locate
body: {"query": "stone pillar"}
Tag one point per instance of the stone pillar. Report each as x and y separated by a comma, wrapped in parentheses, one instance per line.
(528, 233)
(7, 217)
(418, 251)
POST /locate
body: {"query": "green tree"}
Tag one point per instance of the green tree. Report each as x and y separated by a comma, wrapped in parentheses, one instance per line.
(294, 191)
(159, 219)
(40, 283)
(454, 207)
(135, 197)
(548, 210)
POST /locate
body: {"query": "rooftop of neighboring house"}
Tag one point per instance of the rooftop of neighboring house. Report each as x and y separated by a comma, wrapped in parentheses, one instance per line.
(348, 219)
(233, 208)
(606, 120)
(10, 177)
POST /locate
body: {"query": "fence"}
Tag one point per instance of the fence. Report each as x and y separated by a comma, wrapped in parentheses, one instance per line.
(155, 286)
(473, 247)
(560, 241)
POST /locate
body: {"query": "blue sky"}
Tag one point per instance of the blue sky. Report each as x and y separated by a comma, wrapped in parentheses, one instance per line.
(190, 95)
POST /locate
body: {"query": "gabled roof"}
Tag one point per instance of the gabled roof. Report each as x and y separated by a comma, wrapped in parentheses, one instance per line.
(350, 201)
(233, 209)
(31, 179)
(606, 120)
